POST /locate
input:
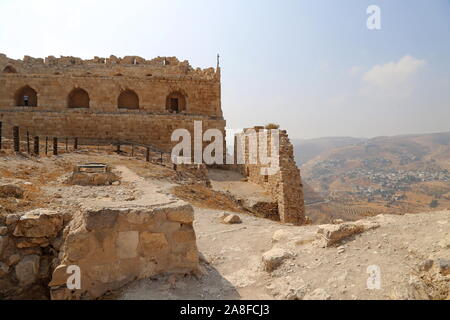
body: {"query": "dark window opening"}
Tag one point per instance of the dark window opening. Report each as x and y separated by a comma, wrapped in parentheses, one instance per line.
(26, 97)
(176, 102)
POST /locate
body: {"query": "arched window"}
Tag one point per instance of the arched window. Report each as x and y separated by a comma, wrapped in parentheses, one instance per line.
(9, 69)
(78, 98)
(176, 102)
(128, 99)
(26, 97)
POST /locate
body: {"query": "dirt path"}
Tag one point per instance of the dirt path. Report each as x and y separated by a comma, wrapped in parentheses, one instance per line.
(149, 193)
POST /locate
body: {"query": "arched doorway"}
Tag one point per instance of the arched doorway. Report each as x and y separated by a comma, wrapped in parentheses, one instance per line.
(26, 97)
(176, 102)
(128, 99)
(78, 98)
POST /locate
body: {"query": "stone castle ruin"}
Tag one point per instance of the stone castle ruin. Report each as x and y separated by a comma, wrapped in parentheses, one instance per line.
(283, 184)
(128, 99)
(117, 99)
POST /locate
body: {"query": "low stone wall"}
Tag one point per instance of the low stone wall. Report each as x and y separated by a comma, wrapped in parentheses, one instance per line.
(111, 246)
(137, 127)
(29, 246)
(114, 246)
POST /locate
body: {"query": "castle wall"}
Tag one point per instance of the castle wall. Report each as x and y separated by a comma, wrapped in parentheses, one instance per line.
(153, 81)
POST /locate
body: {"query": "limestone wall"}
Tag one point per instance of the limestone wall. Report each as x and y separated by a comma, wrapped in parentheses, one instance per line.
(114, 246)
(134, 127)
(111, 246)
(29, 246)
(155, 83)
(285, 185)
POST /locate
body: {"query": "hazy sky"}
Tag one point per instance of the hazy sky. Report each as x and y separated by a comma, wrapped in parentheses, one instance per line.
(312, 66)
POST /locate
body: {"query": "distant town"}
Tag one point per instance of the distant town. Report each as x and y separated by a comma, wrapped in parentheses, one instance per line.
(384, 182)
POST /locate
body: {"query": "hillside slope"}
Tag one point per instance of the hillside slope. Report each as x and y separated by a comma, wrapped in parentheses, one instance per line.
(399, 174)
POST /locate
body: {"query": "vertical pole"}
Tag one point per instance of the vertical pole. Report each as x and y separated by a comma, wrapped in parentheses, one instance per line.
(1, 135)
(55, 146)
(67, 144)
(118, 147)
(75, 144)
(147, 155)
(36, 145)
(46, 145)
(132, 150)
(161, 159)
(16, 138)
(28, 142)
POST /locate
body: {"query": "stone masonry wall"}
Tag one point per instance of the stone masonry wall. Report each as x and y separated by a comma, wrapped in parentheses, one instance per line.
(104, 79)
(111, 246)
(114, 246)
(285, 186)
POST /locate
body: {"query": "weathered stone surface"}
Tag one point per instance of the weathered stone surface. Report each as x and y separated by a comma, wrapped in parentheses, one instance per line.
(281, 235)
(3, 242)
(184, 236)
(122, 245)
(101, 219)
(12, 218)
(39, 223)
(4, 269)
(184, 214)
(59, 276)
(303, 238)
(232, 219)
(3, 231)
(150, 241)
(273, 258)
(77, 245)
(27, 270)
(333, 234)
(127, 243)
(32, 242)
(11, 190)
(13, 259)
(93, 179)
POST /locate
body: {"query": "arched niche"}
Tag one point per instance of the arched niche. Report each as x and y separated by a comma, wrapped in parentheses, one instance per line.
(128, 99)
(78, 98)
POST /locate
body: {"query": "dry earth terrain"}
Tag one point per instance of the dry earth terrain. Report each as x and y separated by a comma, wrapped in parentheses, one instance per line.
(250, 257)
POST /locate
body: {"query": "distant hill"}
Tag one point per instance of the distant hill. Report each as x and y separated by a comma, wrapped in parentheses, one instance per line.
(362, 177)
(307, 149)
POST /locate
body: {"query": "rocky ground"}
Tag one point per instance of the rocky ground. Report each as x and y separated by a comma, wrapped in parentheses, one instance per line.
(302, 266)
(256, 258)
